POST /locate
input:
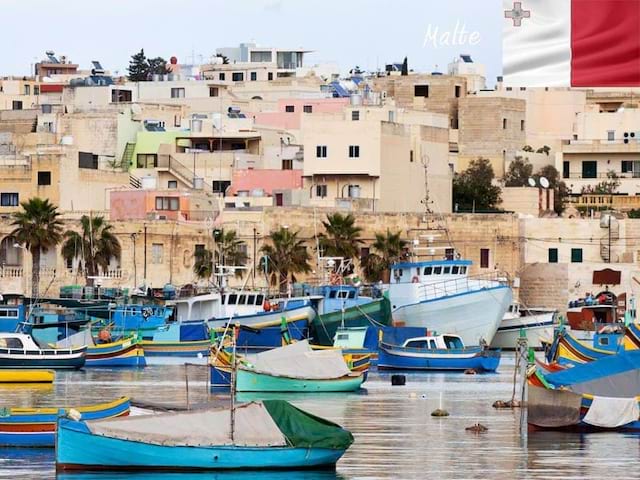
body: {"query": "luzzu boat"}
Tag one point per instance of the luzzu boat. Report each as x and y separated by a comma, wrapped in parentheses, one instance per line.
(271, 434)
(432, 352)
(19, 350)
(569, 351)
(291, 368)
(27, 376)
(36, 427)
(123, 352)
(178, 339)
(600, 395)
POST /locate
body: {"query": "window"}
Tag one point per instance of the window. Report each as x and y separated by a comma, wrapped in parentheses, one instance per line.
(270, 76)
(321, 191)
(289, 108)
(47, 126)
(354, 191)
(590, 169)
(27, 89)
(87, 160)
(237, 77)
(177, 121)
(287, 164)
(364, 252)
(199, 249)
(449, 253)
(392, 116)
(172, 184)
(167, 203)
(455, 270)
(177, 93)
(44, 178)
(307, 109)
(428, 270)
(259, 56)
(9, 200)
(46, 108)
(321, 151)
(522, 125)
(221, 76)
(354, 151)
(355, 115)
(16, 105)
(576, 255)
(565, 169)
(611, 135)
(411, 156)
(484, 258)
(120, 96)
(553, 255)
(447, 270)
(213, 91)
(220, 186)
(36, 90)
(147, 160)
(604, 341)
(504, 123)
(156, 253)
(457, 91)
(421, 91)
(253, 76)
(437, 270)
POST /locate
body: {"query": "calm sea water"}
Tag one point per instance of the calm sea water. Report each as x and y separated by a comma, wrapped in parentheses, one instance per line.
(396, 438)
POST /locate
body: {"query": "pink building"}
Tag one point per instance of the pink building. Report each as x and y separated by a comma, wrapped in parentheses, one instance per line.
(154, 204)
(290, 111)
(271, 182)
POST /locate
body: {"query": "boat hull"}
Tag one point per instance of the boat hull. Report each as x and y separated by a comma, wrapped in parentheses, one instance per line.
(269, 335)
(474, 316)
(195, 348)
(36, 427)
(399, 358)
(43, 361)
(78, 449)
(27, 376)
(537, 328)
(248, 381)
(122, 353)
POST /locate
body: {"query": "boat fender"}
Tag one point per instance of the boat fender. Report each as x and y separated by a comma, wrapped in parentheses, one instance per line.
(104, 335)
(74, 414)
(415, 279)
(266, 306)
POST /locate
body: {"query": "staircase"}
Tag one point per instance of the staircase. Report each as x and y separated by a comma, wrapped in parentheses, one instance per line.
(134, 182)
(610, 223)
(175, 168)
(128, 155)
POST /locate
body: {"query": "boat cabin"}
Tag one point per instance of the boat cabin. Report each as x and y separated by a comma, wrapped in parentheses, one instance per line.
(435, 342)
(429, 272)
(18, 341)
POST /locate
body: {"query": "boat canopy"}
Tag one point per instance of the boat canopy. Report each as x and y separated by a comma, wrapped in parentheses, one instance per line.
(429, 272)
(299, 360)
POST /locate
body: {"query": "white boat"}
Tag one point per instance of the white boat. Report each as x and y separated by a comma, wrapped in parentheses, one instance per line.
(536, 323)
(442, 297)
(20, 350)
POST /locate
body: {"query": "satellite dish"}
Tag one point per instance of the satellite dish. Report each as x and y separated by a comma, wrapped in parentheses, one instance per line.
(532, 182)
(544, 183)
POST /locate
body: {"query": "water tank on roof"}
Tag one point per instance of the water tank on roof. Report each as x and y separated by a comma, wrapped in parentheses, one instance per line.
(198, 183)
(605, 218)
(257, 192)
(148, 182)
(196, 125)
(356, 99)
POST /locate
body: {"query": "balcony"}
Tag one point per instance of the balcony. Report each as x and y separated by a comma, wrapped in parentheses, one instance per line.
(600, 146)
(356, 204)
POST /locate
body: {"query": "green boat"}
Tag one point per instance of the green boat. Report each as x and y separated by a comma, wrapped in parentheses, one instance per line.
(250, 381)
(323, 327)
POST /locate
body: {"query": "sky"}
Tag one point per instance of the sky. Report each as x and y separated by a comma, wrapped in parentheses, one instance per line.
(364, 33)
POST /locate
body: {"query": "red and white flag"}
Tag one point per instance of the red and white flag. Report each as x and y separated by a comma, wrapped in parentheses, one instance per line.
(579, 43)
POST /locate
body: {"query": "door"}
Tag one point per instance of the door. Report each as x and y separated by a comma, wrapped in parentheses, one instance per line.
(279, 200)
(590, 169)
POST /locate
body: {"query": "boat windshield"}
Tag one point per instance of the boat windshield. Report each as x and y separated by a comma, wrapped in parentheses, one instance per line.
(453, 342)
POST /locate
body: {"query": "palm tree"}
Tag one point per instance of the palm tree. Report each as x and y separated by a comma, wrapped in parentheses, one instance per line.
(95, 244)
(388, 249)
(286, 256)
(342, 238)
(229, 250)
(38, 228)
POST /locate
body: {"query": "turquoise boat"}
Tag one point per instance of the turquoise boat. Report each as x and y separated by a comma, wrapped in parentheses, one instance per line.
(271, 434)
(250, 381)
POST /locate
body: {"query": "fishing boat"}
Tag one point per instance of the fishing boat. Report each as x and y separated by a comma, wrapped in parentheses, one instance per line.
(567, 350)
(271, 434)
(27, 376)
(178, 339)
(36, 427)
(19, 350)
(291, 368)
(596, 396)
(122, 352)
(536, 324)
(432, 352)
(440, 295)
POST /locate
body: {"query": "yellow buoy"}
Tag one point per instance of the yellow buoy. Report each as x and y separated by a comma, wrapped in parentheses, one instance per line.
(27, 376)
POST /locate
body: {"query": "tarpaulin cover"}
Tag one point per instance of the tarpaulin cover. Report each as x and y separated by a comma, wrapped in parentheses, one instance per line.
(254, 427)
(80, 339)
(552, 408)
(299, 360)
(305, 430)
(191, 332)
(612, 412)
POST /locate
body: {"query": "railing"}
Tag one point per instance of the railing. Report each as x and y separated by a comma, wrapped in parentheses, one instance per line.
(11, 272)
(461, 285)
(603, 175)
(174, 166)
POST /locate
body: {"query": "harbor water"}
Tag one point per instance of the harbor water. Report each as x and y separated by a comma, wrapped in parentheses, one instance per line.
(395, 435)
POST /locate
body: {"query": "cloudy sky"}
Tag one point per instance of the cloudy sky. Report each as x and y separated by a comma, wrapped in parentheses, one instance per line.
(365, 33)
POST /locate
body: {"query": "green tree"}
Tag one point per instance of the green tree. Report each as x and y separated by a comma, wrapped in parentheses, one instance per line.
(38, 228)
(387, 249)
(341, 237)
(473, 189)
(138, 67)
(225, 59)
(560, 190)
(284, 257)
(95, 245)
(203, 264)
(158, 66)
(608, 186)
(519, 172)
(544, 149)
(229, 250)
(527, 148)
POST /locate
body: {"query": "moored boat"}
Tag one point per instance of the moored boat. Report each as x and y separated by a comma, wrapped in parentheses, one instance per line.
(27, 376)
(271, 434)
(36, 427)
(433, 352)
(123, 352)
(19, 350)
(536, 324)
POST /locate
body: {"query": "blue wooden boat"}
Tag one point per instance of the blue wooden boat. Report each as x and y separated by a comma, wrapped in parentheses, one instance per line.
(271, 434)
(569, 351)
(435, 352)
(177, 339)
(36, 427)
